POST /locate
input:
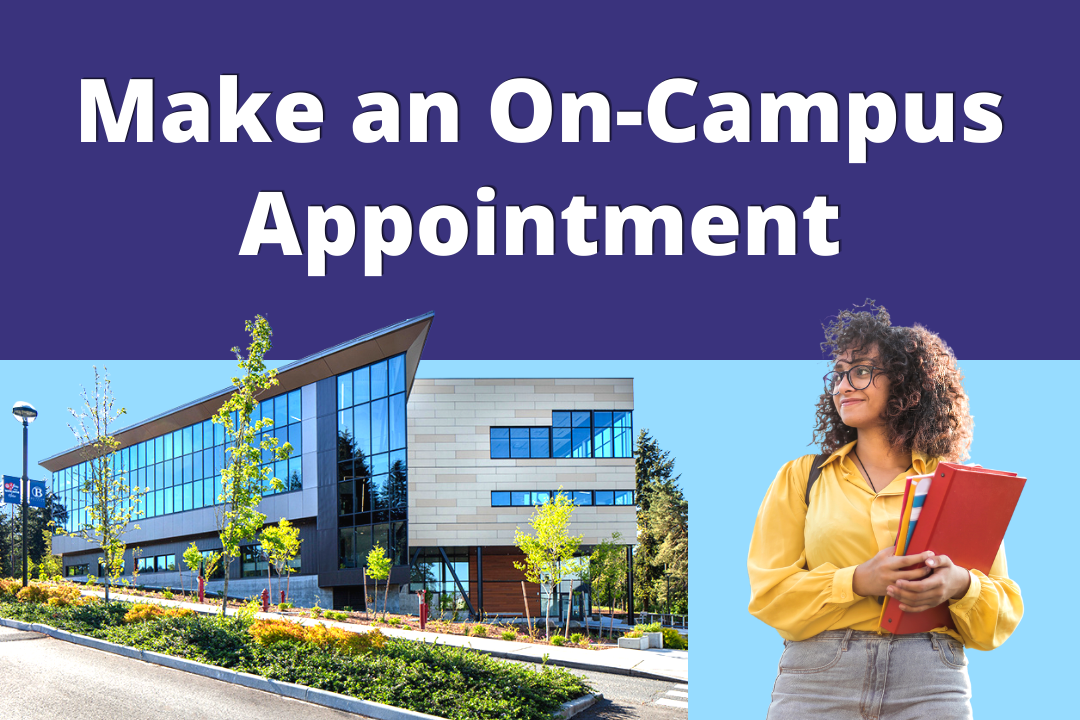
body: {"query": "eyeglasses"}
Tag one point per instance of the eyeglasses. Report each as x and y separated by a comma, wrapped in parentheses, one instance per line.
(859, 377)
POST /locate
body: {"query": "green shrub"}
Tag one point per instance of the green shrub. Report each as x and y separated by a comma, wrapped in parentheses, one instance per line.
(672, 639)
(167, 594)
(347, 608)
(575, 638)
(9, 588)
(33, 593)
(480, 630)
(334, 615)
(558, 640)
(316, 611)
(675, 641)
(246, 612)
(142, 612)
(509, 635)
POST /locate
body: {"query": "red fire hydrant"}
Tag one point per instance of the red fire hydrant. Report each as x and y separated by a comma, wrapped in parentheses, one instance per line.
(282, 601)
(266, 600)
(423, 610)
(202, 589)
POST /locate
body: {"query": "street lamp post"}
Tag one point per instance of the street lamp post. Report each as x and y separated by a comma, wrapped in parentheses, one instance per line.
(25, 413)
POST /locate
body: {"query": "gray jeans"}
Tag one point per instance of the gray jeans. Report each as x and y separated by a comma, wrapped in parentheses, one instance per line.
(856, 675)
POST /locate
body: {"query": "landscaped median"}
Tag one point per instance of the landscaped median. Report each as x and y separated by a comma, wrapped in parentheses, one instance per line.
(434, 679)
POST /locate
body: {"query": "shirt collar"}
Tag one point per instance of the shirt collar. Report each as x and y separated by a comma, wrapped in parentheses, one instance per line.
(921, 463)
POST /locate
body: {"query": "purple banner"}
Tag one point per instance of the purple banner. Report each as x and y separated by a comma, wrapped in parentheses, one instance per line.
(686, 180)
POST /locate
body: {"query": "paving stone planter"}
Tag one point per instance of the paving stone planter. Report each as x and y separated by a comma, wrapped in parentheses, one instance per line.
(656, 639)
(638, 643)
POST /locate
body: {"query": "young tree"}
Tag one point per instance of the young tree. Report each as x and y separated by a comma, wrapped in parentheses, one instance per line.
(136, 555)
(193, 559)
(547, 551)
(244, 476)
(281, 543)
(113, 502)
(200, 565)
(378, 568)
(49, 566)
(607, 570)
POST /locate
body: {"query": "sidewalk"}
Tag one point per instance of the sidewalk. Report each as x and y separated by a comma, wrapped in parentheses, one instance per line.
(673, 665)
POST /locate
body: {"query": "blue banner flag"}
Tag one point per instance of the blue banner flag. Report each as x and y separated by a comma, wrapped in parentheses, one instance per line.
(37, 493)
(12, 489)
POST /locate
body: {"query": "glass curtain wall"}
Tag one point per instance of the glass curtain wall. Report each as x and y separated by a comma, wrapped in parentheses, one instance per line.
(372, 463)
(181, 470)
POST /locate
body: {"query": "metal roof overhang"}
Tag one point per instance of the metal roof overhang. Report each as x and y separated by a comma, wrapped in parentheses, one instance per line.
(408, 337)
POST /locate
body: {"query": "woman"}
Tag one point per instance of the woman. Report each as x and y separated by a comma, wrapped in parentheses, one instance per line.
(893, 406)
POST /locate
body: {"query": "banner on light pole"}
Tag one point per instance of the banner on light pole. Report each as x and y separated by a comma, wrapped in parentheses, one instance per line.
(12, 490)
(37, 493)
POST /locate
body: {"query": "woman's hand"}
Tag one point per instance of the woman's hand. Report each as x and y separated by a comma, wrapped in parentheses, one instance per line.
(945, 581)
(883, 571)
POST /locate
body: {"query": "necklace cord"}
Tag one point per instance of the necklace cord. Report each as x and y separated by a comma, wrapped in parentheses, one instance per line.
(870, 480)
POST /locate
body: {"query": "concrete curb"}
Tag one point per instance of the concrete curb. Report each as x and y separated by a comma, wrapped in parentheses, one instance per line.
(336, 701)
(572, 664)
(572, 708)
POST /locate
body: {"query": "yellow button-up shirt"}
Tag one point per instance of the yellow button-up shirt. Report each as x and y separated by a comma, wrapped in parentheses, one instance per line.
(802, 560)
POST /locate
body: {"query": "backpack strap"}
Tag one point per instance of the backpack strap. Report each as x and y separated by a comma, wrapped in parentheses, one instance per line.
(815, 472)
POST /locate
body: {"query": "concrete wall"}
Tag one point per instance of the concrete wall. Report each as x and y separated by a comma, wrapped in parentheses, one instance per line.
(452, 475)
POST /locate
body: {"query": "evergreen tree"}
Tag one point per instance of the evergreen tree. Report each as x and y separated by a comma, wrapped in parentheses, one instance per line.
(661, 559)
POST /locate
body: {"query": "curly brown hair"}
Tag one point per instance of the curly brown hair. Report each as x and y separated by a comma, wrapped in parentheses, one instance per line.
(928, 409)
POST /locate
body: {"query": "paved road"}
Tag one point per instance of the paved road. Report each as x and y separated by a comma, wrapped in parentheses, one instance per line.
(632, 698)
(46, 679)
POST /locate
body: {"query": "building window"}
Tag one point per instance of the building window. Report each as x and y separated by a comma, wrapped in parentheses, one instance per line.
(157, 563)
(181, 470)
(372, 482)
(430, 572)
(252, 561)
(354, 543)
(528, 498)
(73, 570)
(573, 434)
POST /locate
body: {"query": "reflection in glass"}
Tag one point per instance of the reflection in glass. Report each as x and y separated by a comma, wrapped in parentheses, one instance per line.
(378, 380)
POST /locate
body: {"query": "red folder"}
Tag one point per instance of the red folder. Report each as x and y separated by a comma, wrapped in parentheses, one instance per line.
(965, 517)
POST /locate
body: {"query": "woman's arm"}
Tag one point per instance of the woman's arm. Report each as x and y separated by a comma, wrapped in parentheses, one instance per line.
(991, 608)
(796, 601)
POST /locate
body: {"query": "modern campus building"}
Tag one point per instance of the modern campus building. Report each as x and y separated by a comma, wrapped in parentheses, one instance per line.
(440, 472)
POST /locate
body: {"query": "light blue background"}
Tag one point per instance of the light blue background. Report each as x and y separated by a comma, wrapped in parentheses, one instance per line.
(731, 425)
